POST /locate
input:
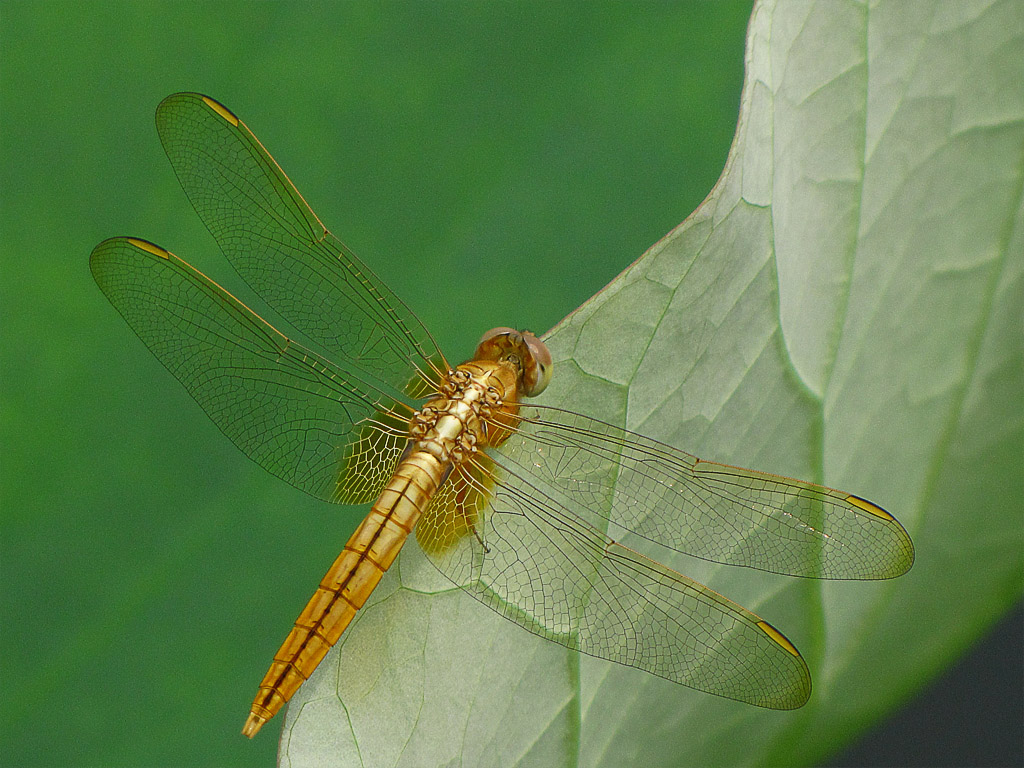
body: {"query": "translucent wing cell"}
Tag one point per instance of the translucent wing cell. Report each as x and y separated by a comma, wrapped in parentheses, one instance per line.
(542, 566)
(713, 511)
(282, 250)
(292, 412)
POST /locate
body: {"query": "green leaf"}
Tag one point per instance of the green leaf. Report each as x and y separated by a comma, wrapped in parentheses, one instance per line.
(845, 307)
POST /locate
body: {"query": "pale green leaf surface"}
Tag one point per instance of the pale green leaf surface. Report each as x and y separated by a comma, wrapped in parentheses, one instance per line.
(845, 307)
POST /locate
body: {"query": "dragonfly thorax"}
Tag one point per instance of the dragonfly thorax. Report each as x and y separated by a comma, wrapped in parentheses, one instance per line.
(456, 423)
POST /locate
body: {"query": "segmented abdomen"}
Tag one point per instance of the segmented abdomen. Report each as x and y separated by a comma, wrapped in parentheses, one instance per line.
(345, 588)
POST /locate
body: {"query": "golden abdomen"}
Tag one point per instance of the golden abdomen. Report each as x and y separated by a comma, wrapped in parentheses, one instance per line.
(445, 434)
(345, 588)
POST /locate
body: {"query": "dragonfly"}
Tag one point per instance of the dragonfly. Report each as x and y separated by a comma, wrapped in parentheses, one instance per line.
(512, 500)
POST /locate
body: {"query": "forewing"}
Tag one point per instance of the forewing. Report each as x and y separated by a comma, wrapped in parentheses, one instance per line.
(292, 412)
(548, 570)
(708, 510)
(282, 250)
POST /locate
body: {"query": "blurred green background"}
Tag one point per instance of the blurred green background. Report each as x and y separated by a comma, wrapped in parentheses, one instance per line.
(496, 164)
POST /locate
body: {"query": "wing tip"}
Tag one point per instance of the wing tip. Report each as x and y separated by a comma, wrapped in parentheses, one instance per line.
(149, 247)
(184, 98)
(778, 637)
(904, 545)
(221, 110)
(111, 253)
(870, 507)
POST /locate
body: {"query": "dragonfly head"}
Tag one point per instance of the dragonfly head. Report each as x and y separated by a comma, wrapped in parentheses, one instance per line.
(526, 352)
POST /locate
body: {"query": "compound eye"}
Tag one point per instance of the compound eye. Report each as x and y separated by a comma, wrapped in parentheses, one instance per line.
(494, 332)
(537, 370)
(495, 343)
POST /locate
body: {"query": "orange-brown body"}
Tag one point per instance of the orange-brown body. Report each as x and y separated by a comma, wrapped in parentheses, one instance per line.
(444, 434)
(542, 560)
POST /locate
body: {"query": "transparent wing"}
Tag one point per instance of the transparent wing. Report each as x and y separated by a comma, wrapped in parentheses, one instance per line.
(282, 250)
(294, 413)
(548, 570)
(712, 511)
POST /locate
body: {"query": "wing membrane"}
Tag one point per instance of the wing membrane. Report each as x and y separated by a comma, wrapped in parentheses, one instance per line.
(282, 250)
(708, 510)
(548, 570)
(292, 412)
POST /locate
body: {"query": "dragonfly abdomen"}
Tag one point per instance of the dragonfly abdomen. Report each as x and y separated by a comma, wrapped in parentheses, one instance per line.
(345, 588)
(446, 432)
